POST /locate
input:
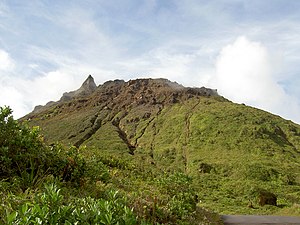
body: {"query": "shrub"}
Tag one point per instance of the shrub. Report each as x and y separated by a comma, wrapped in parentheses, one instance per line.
(260, 172)
(182, 198)
(26, 159)
(51, 207)
(21, 149)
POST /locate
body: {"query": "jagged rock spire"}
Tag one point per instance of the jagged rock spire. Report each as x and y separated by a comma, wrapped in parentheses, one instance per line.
(89, 84)
(86, 88)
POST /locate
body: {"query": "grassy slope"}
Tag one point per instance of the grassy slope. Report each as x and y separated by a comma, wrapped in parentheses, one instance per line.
(244, 149)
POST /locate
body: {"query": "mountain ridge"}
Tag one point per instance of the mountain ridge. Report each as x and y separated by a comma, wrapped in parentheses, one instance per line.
(163, 85)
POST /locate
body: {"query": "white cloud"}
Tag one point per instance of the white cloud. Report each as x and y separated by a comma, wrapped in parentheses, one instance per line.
(165, 62)
(174, 66)
(6, 63)
(22, 95)
(12, 97)
(244, 74)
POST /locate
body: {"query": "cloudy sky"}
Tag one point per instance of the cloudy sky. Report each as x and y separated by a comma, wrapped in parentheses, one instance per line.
(248, 50)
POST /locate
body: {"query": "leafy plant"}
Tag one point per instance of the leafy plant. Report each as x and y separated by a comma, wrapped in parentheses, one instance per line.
(51, 207)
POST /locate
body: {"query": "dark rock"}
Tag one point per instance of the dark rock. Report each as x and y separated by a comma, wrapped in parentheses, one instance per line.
(267, 198)
(205, 168)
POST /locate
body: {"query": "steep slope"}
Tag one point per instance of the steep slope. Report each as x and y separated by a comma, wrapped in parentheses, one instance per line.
(231, 150)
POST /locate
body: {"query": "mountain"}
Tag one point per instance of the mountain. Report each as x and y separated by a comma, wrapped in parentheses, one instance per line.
(234, 152)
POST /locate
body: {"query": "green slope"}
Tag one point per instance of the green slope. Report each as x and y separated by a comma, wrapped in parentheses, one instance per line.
(232, 151)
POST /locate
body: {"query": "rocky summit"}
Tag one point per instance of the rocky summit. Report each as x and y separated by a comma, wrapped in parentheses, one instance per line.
(87, 88)
(121, 94)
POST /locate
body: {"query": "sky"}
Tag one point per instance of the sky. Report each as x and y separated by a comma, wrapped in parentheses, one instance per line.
(248, 50)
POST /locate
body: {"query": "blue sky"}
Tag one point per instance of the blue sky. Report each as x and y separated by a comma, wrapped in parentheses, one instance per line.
(248, 50)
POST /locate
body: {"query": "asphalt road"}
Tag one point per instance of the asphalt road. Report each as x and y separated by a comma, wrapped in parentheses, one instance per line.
(260, 220)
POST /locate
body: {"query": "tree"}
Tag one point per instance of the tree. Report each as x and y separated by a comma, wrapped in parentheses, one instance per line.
(22, 149)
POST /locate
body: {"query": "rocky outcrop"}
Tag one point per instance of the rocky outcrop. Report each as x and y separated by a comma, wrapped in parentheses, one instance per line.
(87, 88)
(118, 95)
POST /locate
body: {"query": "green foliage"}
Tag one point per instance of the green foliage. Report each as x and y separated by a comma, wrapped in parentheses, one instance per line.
(259, 171)
(75, 166)
(96, 170)
(22, 151)
(25, 159)
(182, 195)
(51, 207)
(93, 185)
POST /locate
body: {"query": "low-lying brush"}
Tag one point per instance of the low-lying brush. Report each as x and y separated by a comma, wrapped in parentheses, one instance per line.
(52, 184)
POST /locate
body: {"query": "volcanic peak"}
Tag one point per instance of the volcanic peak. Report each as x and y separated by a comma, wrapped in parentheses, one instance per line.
(133, 92)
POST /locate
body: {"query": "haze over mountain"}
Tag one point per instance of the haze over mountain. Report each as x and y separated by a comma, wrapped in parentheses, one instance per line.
(233, 151)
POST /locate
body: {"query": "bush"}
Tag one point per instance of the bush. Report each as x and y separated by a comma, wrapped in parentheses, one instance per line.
(51, 207)
(260, 172)
(21, 149)
(26, 159)
(182, 196)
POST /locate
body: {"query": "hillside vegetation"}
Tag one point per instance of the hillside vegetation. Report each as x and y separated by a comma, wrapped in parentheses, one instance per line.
(52, 184)
(231, 156)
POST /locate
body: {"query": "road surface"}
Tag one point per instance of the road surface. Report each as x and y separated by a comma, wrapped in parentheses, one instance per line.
(260, 220)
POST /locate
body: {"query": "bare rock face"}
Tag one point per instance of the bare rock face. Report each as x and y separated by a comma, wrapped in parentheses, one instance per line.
(88, 85)
(87, 88)
(120, 95)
